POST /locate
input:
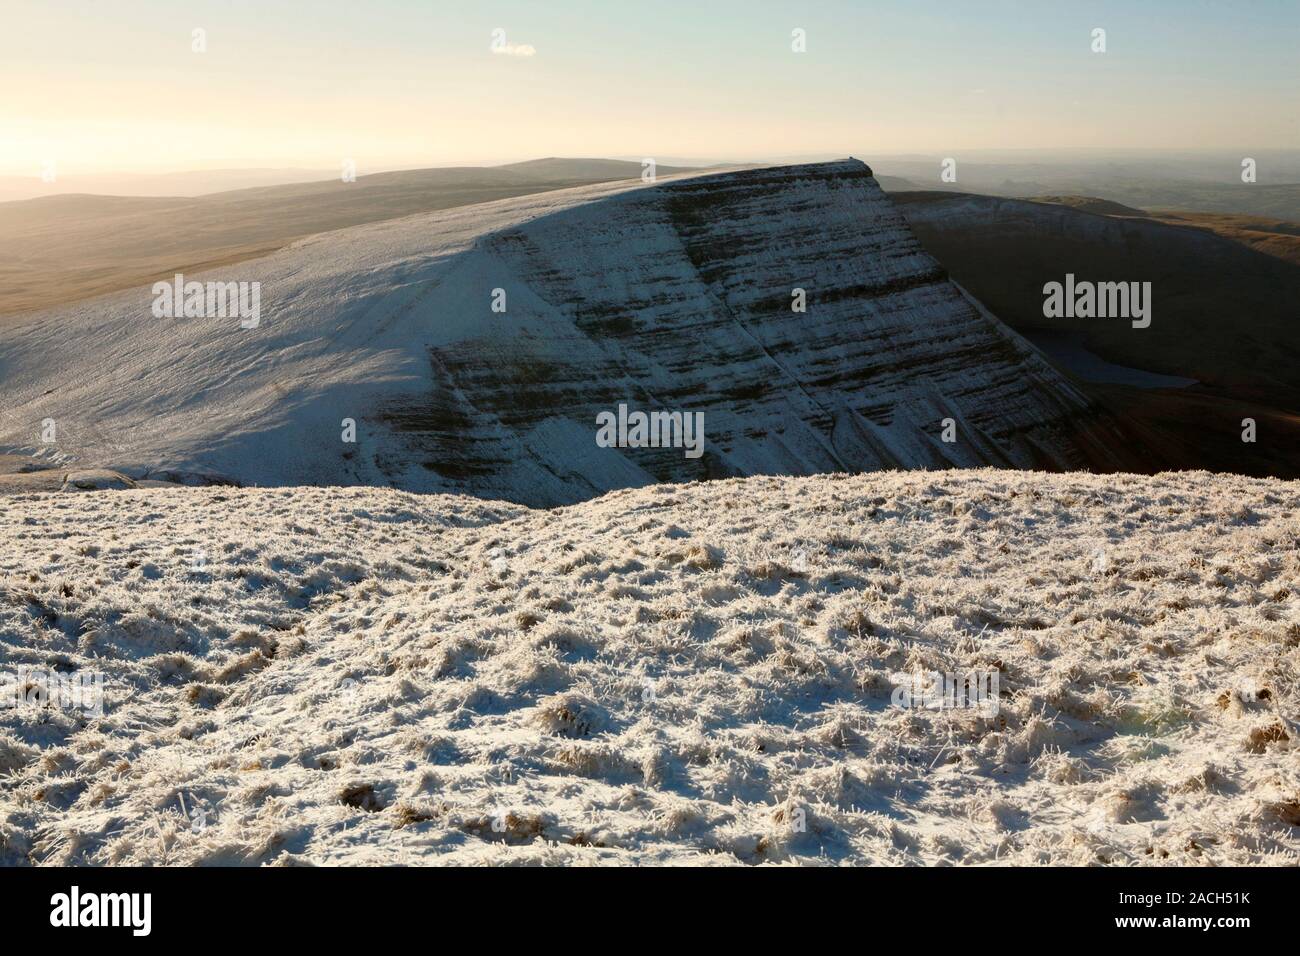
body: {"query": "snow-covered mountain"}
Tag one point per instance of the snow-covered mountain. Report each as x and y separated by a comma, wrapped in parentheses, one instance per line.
(674, 297)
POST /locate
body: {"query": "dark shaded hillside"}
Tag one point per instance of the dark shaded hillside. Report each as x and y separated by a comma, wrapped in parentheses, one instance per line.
(1224, 312)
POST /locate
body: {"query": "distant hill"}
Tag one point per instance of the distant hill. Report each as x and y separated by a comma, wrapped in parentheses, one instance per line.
(1102, 207)
(1224, 289)
(1202, 183)
(1275, 237)
(1224, 311)
(892, 184)
(189, 183)
(593, 169)
(65, 248)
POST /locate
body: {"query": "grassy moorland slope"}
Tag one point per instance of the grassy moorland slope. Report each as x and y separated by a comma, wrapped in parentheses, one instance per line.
(674, 673)
(61, 249)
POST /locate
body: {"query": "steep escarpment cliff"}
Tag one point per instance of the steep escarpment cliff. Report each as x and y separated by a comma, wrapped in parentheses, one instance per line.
(475, 348)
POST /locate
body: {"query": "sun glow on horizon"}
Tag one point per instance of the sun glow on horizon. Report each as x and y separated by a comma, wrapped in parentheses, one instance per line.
(152, 86)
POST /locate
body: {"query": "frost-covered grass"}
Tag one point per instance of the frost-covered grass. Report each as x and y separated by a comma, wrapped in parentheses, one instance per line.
(368, 676)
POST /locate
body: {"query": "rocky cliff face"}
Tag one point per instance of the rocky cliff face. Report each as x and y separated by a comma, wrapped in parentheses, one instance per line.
(675, 297)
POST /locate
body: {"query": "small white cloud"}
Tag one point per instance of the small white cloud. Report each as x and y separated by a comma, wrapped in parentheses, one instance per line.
(514, 49)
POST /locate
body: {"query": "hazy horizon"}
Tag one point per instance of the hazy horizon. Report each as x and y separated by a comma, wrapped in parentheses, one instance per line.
(401, 85)
(1026, 154)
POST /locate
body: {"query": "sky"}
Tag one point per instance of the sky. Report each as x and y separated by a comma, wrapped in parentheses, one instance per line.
(97, 87)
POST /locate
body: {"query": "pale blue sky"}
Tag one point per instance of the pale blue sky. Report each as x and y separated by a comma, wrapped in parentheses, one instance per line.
(114, 86)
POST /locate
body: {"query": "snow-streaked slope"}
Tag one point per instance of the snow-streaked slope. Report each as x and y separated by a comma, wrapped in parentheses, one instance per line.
(668, 297)
(370, 676)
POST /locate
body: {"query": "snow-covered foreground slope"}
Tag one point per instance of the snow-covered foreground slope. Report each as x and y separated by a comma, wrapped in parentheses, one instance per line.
(675, 297)
(679, 673)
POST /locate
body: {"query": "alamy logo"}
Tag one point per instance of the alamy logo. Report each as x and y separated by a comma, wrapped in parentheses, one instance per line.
(45, 687)
(974, 690)
(651, 430)
(208, 300)
(103, 909)
(1100, 300)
